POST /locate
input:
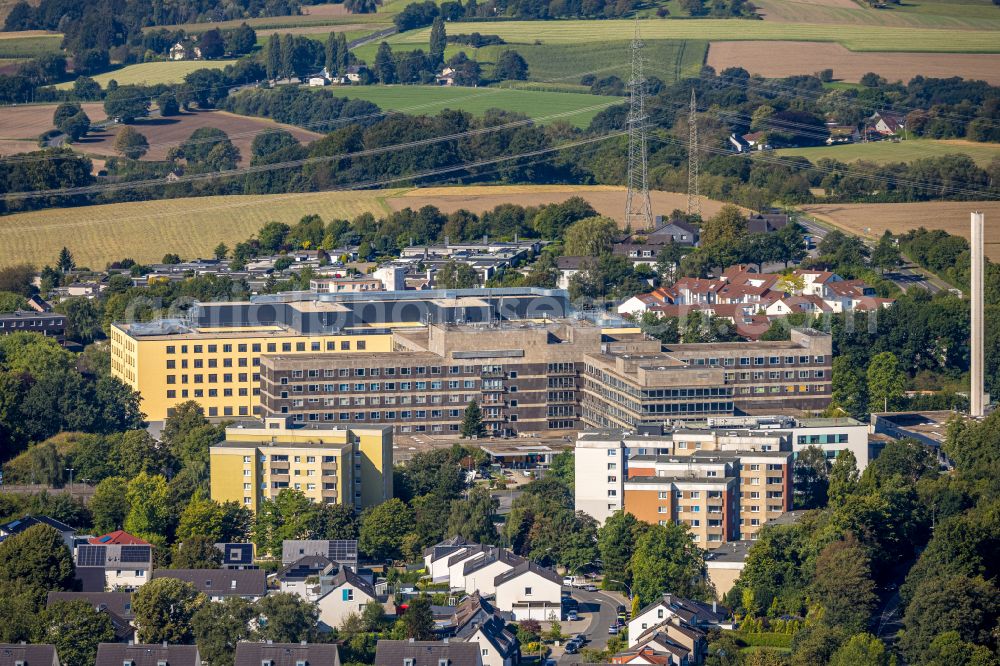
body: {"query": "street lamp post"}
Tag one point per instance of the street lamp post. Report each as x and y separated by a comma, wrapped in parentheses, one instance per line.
(70, 470)
(621, 582)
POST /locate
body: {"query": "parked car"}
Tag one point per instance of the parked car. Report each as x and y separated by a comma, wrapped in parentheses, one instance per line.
(589, 588)
(572, 647)
(613, 629)
(572, 616)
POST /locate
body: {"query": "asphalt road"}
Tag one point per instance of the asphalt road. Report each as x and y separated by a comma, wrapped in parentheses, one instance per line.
(598, 610)
(905, 277)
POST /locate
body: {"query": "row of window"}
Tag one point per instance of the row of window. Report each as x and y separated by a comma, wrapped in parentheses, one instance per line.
(388, 372)
(242, 362)
(389, 415)
(270, 347)
(387, 386)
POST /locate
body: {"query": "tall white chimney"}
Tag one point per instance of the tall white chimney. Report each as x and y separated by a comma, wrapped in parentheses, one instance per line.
(976, 388)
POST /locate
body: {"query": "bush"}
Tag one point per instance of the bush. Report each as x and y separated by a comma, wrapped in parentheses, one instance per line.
(765, 639)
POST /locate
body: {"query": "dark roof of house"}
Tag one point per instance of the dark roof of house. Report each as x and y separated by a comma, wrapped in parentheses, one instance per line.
(308, 565)
(491, 555)
(220, 582)
(766, 223)
(19, 525)
(347, 575)
(236, 553)
(119, 603)
(39, 654)
(525, 567)
(573, 263)
(427, 653)
(475, 613)
(287, 654)
(697, 613)
(663, 224)
(141, 654)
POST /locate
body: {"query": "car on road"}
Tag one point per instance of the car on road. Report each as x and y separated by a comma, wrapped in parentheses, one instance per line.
(572, 616)
(589, 588)
(572, 647)
(613, 629)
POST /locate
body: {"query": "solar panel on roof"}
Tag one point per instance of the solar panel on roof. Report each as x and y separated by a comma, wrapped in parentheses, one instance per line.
(91, 556)
(135, 554)
(104, 539)
(344, 551)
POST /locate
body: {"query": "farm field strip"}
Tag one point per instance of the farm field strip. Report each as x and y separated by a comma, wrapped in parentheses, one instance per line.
(28, 121)
(561, 63)
(29, 44)
(873, 220)
(151, 73)
(927, 14)
(855, 38)
(144, 231)
(164, 133)
(428, 100)
(884, 152)
(192, 227)
(781, 59)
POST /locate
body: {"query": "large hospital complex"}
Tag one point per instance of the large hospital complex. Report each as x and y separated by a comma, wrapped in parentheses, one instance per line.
(318, 383)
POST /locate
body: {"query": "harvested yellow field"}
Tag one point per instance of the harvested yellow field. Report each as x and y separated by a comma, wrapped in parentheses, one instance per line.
(780, 59)
(607, 200)
(147, 230)
(872, 220)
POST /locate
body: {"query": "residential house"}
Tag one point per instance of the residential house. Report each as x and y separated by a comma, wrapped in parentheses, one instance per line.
(637, 305)
(36, 654)
(295, 578)
(529, 591)
(339, 551)
(427, 653)
(354, 74)
(888, 124)
(143, 654)
(480, 572)
(237, 555)
(755, 141)
(182, 51)
(693, 613)
(218, 584)
(286, 654)
(643, 247)
(475, 620)
(436, 557)
(568, 267)
(446, 77)
(342, 594)
(668, 654)
(116, 605)
(49, 324)
(318, 81)
(765, 223)
(20, 524)
(725, 564)
(121, 565)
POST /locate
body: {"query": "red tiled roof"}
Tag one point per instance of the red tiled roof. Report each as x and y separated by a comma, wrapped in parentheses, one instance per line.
(120, 537)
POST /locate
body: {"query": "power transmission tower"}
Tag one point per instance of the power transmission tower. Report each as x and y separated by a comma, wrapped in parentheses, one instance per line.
(694, 203)
(638, 210)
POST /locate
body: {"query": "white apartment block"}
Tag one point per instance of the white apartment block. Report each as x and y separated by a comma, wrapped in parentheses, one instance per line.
(600, 473)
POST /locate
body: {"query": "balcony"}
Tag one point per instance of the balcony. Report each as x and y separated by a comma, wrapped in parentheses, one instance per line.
(279, 471)
(493, 374)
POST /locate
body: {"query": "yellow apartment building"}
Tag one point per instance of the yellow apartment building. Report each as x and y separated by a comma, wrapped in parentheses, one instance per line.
(170, 361)
(332, 465)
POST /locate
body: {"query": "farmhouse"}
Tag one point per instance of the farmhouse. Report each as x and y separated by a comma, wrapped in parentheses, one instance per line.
(887, 124)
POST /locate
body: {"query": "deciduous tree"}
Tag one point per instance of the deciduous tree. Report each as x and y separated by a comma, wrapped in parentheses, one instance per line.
(163, 610)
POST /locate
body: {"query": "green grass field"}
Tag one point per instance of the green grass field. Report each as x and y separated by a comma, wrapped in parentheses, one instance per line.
(32, 45)
(428, 100)
(855, 38)
(151, 73)
(561, 63)
(884, 152)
